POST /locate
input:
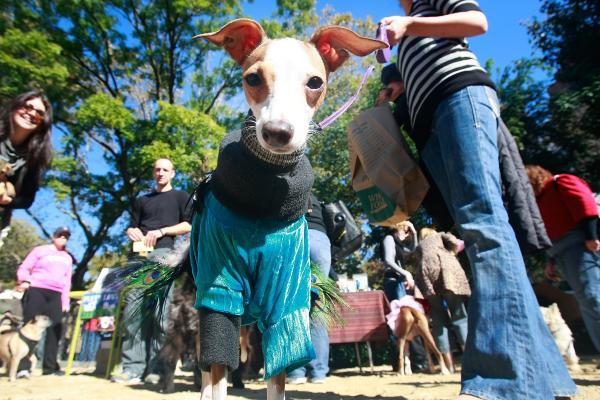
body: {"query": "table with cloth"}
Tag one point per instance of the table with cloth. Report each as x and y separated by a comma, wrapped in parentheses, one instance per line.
(364, 321)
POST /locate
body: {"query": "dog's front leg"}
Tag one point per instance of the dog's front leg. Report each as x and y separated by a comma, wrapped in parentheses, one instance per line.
(12, 366)
(214, 384)
(206, 386)
(276, 387)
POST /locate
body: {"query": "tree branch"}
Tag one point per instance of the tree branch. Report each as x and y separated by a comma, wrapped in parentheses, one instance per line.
(45, 232)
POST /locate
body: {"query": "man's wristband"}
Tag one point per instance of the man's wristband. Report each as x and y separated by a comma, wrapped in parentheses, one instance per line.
(161, 233)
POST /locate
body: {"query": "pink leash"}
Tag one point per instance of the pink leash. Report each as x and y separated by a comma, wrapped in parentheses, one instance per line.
(382, 56)
(330, 119)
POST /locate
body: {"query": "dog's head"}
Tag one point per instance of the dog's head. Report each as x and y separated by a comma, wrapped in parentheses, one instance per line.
(40, 322)
(285, 80)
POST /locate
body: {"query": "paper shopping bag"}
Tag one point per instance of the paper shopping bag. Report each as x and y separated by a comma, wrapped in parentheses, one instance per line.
(387, 180)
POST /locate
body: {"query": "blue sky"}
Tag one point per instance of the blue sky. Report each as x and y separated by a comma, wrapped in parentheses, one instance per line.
(505, 42)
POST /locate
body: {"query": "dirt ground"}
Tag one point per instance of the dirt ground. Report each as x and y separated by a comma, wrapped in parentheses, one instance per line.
(346, 384)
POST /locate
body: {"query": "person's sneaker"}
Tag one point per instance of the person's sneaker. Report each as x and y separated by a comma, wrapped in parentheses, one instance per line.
(297, 381)
(152, 379)
(23, 374)
(318, 381)
(126, 379)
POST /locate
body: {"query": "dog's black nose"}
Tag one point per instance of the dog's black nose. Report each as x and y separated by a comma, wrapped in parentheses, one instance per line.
(277, 133)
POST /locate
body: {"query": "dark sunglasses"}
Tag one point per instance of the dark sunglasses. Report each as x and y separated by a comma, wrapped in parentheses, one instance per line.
(63, 235)
(31, 110)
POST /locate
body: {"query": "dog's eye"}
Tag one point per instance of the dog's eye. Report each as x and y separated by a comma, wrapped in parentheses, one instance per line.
(315, 83)
(253, 79)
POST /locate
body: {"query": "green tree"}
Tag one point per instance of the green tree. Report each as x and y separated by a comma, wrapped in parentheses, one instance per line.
(18, 243)
(124, 103)
(567, 36)
(139, 87)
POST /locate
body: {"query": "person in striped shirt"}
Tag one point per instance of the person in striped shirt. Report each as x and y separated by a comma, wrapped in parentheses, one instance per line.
(509, 353)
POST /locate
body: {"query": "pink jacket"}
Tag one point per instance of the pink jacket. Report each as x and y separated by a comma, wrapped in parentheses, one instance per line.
(46, 267)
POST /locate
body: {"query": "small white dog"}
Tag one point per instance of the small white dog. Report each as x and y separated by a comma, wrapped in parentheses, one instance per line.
(562, 336)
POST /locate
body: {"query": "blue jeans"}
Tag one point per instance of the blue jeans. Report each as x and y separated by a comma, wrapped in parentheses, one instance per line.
(320, 254)
(90, 343)
(393, 286)
(452, 314)
(510, 353)
(581, 268)
(143, 340)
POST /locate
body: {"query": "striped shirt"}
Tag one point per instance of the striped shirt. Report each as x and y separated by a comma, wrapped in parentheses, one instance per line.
(433, 68)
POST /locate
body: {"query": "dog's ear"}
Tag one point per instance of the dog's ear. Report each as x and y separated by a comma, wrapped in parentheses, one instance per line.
(334, 43)
(238, 37)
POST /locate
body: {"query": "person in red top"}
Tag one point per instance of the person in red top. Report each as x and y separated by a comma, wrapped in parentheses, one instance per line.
(570, 213)
(45, 277)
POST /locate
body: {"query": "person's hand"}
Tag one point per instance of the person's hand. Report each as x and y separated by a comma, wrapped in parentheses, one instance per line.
(409, 283)
(23, 286)
(5, 200)
(396, 28)
(593, 245)
(383, 96)
(550, 272)
(152, 237)
(65, 309)
(135, 234)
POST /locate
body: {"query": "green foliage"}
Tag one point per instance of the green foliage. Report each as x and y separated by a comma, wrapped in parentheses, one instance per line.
(20, 240)
(567, 37)
(29, 59)
(522, 96)
(117, 72)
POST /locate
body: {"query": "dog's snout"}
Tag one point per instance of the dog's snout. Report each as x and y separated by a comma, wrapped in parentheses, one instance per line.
(277, 133)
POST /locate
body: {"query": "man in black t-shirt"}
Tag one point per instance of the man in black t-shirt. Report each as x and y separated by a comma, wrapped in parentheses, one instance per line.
(157, 219)
(161, 215)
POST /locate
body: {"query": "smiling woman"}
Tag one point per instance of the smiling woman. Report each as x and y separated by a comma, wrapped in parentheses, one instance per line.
(25, 150)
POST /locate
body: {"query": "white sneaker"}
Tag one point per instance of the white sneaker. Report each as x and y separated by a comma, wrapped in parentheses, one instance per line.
(318, 381)
(152, 379)
(297, 381)
(23, 374)
(126, 379)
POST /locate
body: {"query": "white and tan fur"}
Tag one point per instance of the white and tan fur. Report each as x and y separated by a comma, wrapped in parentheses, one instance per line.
(13, 349)
(409, 320)
(284, 82)
(562, 336)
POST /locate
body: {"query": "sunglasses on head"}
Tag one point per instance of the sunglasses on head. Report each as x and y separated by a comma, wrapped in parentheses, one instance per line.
(31, 110)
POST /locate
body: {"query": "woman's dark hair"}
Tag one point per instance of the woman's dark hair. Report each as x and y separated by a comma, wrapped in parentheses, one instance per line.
(39, 145)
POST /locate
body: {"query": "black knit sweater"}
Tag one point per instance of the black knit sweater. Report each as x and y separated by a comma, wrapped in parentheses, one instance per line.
(255, 183)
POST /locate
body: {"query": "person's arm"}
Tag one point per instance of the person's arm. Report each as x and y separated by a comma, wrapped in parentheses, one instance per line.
(389, 259)
(65, 294)
(410, 242)
(174, 230)
(26, 192)
(24, 270)
(451, 242)
(590, 229)
(134, 232)
(459, 19)
(580, 203)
